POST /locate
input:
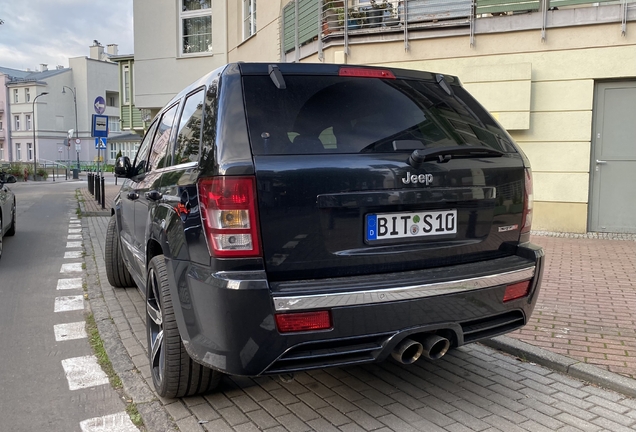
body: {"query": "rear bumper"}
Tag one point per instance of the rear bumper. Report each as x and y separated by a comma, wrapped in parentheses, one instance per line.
(226, 319)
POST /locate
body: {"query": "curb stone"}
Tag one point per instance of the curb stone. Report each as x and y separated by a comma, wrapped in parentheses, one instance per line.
(566, 365)
(154, 416)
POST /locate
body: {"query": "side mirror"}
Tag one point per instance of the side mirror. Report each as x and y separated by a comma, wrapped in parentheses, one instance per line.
(123, 167)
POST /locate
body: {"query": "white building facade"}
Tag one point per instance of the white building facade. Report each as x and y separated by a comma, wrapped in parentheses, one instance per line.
(40, 128)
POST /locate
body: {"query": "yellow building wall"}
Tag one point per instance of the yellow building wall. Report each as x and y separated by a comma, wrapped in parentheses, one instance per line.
(264, 46)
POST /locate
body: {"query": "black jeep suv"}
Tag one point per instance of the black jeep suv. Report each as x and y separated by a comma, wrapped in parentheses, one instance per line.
(285, 217)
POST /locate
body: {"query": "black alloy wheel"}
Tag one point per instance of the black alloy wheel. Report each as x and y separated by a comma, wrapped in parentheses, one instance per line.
(174, 373)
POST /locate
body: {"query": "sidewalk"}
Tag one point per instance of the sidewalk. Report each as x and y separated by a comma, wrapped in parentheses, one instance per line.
(584, 323)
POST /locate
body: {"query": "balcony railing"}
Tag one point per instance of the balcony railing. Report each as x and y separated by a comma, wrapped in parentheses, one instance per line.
(334, 21)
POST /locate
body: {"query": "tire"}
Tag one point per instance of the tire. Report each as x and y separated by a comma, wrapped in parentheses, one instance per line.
(116, 270)
(174, 373)
(11, 231)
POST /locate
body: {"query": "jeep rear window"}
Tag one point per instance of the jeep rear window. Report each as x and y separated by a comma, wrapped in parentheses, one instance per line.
(333, 114)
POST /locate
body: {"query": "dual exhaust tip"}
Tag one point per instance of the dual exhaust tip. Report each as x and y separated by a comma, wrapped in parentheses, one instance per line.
(432, 347)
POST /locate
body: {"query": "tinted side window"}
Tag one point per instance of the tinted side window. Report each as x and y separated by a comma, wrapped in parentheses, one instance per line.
(144, 149)
(159, 155)
(189, 134)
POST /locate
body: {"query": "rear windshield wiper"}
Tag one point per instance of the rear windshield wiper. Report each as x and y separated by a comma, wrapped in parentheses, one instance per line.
(444, 154)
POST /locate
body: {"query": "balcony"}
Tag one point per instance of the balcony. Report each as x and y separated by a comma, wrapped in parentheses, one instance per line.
(309, 26)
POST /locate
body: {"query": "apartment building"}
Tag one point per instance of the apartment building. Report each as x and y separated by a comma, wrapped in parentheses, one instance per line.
(39, 128)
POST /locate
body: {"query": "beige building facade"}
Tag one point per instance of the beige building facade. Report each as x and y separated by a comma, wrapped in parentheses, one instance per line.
(556, 79)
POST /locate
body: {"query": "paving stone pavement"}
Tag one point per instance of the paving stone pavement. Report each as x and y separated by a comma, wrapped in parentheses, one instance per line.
(473, 388)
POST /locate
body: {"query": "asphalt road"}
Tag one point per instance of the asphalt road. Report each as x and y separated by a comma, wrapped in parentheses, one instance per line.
(37, 369)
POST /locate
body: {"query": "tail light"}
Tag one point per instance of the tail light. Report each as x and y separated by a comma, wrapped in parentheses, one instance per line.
(526, 219)
(303, 321)
(365, 73)
(516, 290)
(228, 213)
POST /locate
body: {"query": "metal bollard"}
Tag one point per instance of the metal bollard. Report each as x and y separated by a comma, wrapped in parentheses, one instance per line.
(103, 194)
(97, 191)
(90, 183)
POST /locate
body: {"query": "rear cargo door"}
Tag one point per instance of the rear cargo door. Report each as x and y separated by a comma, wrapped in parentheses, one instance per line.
(366, 175)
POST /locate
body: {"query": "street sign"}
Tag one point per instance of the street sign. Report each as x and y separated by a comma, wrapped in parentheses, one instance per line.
(100, 143)
(60, 149)
(100, 105)
(100, 126)
(78, 148)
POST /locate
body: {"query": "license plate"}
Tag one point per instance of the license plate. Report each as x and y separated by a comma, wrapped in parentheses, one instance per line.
(384, 226)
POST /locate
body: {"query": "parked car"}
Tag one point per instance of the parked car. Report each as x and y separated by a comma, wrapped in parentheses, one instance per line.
(285, 217)
(7, 208)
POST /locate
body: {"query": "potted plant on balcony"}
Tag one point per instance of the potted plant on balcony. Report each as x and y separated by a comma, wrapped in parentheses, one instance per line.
(355, 18)
(333, 16)
(375, 12)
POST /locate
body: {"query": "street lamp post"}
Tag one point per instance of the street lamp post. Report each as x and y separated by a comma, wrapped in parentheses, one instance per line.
(35, 157)
(76, 130)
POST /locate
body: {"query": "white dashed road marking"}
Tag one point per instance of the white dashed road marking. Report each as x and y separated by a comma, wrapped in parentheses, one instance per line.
(70, 331)
(74, 237)
(74, 230)
(71, 268)
(71, 245)
(73, 283)
(72, 254)
(119, 422)
(83, 372)
(69, 303)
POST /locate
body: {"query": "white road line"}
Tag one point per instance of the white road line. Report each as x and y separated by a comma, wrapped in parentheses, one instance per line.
(70, 331)
(71, 245)
(74, 237)
(74, 231)
(301, 236)
(69, 303)
(73, 254)
(83, 372)
(119, 422)
(290, 245)
(71, 268)
(71, 283)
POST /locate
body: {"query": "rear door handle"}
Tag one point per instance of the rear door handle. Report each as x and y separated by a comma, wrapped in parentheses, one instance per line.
(153, 195)
(601, 162)
(132, 196)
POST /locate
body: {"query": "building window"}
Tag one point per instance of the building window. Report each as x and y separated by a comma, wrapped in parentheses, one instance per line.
(17, 122)
(29, 151)
(1, 152)
(0, 125)
(15, 96)
(27, 120)
(196, 26)
(126, 80)
(249, 18)
(113, 124)
(113, 151)
(18, 151)
(27, 96)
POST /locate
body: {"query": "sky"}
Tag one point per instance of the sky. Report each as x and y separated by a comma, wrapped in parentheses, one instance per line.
(52, 31)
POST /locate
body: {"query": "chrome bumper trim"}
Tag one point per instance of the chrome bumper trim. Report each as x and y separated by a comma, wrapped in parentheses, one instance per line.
(325, 301)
